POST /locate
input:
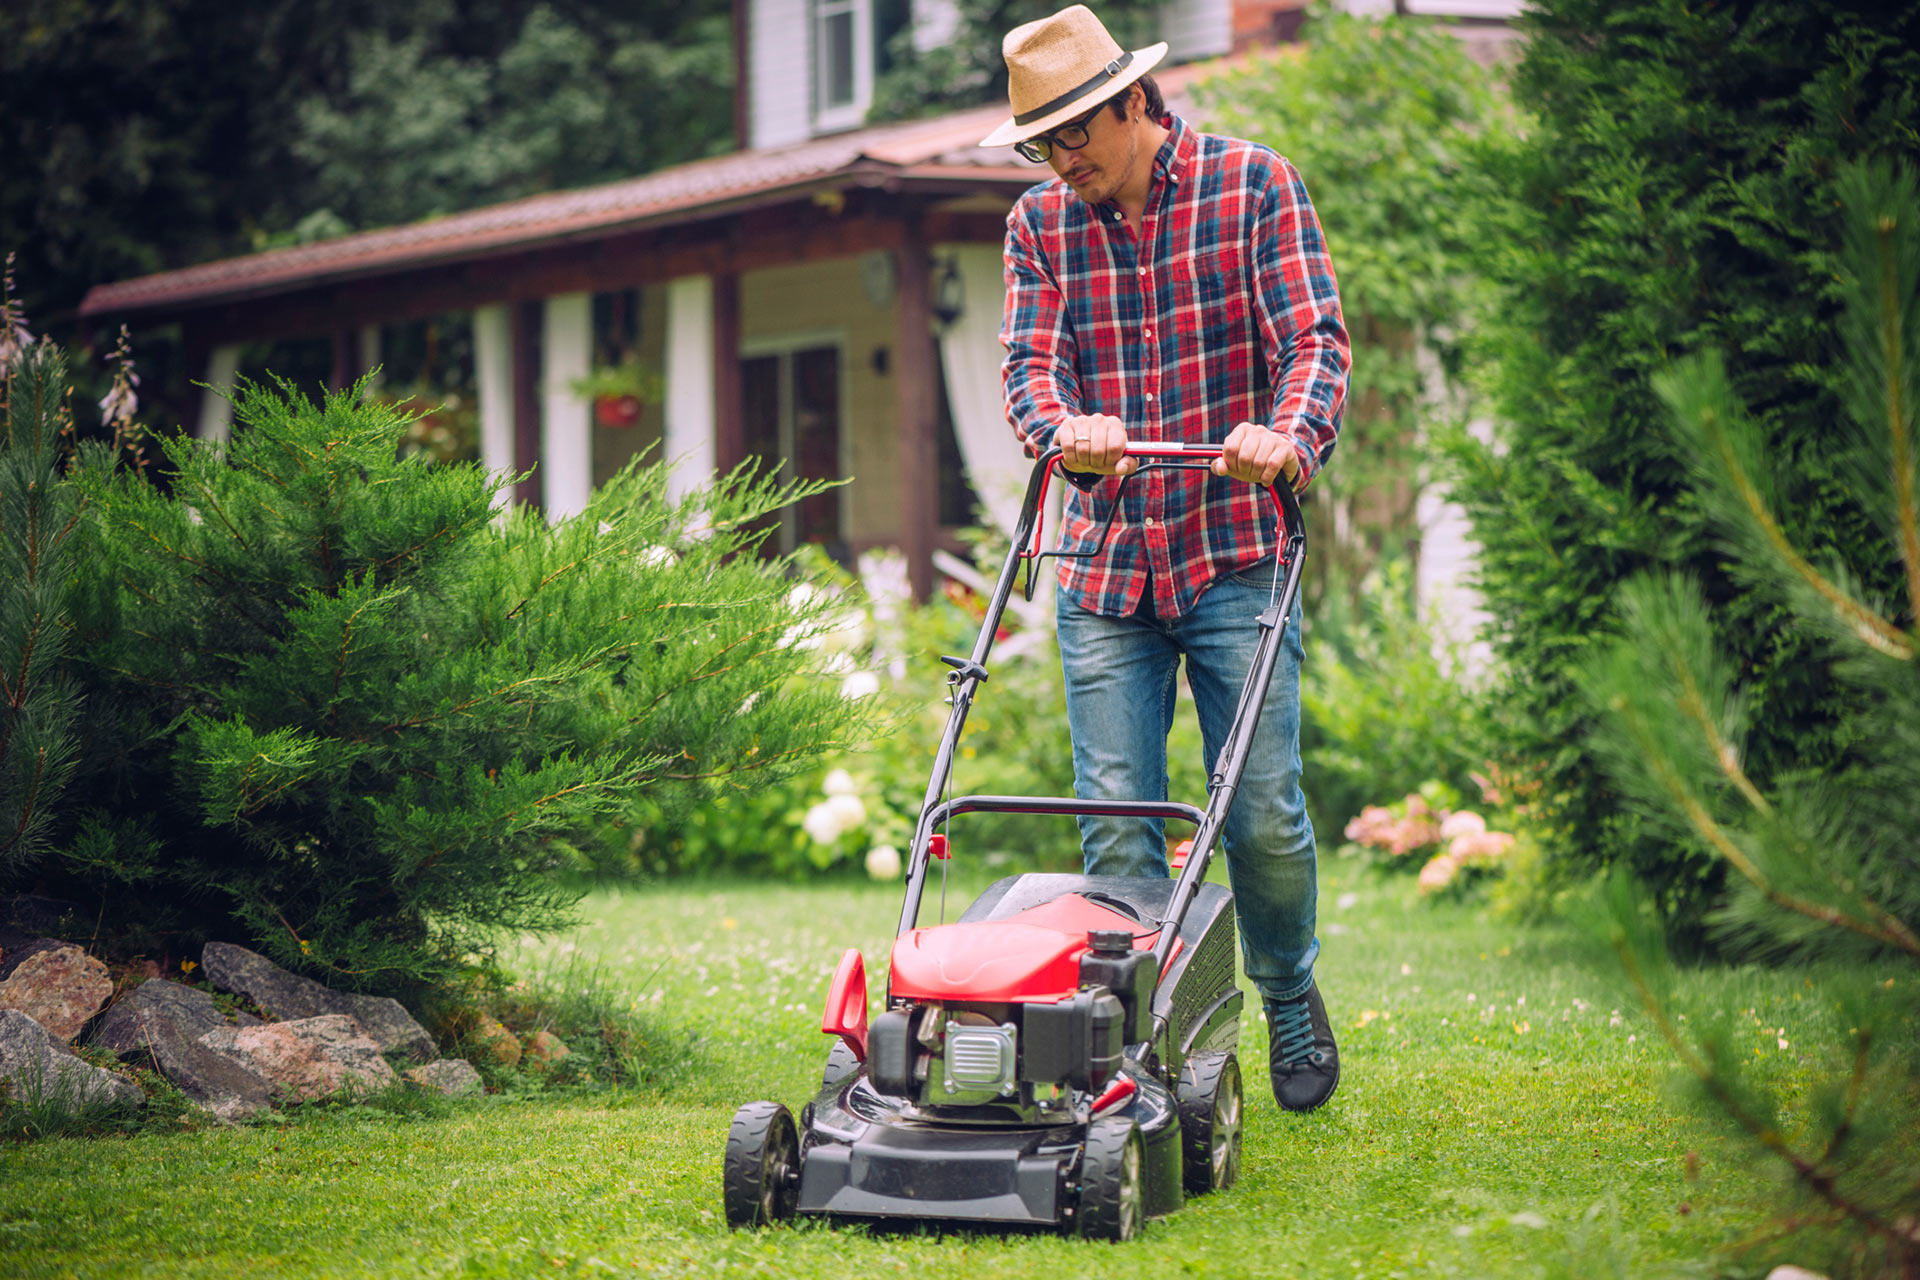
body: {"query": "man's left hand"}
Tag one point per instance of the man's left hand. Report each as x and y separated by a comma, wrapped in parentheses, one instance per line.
(1258, 455)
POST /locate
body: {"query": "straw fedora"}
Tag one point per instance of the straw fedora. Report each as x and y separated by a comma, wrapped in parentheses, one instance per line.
(1059, 66)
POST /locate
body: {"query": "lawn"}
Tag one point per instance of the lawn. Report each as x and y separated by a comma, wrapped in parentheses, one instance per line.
(1502, 1113)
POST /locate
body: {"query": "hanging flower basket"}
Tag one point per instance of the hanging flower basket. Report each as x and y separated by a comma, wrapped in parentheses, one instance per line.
(618, 411)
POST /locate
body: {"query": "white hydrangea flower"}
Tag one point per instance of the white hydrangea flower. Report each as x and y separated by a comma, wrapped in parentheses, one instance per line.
(840, 783)
(860, 684)
(849, 810)
(822, 824)
(883, 862)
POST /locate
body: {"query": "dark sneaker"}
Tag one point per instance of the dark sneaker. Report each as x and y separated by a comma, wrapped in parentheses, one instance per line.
(1301, 1054)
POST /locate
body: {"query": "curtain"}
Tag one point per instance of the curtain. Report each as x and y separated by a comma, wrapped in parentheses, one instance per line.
(970, 355)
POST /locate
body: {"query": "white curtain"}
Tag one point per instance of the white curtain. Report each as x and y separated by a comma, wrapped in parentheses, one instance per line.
(970, 353)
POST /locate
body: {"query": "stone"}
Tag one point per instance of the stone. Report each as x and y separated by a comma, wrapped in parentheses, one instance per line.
(289, 996)
(37, 1068)
(450, 1076)
(17, 948)
(491, 1037)
(60, 988)
(166, 1020)
(307, 1058)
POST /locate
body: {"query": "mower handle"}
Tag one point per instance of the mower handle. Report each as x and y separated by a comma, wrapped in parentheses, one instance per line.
(1176, 454)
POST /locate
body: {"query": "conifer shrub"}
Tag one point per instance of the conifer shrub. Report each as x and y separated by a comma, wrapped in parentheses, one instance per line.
(1676, 192)
(342, 708)
(1825, 857)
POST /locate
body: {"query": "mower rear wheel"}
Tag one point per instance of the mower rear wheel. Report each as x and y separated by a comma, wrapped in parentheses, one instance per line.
(1113, 1180)
(1210, 1122)
(842, 1065)
(761, 1175)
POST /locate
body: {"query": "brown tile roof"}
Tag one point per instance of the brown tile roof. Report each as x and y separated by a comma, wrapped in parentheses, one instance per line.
(943, 148)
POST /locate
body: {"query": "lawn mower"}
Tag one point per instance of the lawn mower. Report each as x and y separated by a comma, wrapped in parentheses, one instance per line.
(1062, 1056)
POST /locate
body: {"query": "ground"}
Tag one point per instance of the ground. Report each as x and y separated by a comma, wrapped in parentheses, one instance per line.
(1502, 1113)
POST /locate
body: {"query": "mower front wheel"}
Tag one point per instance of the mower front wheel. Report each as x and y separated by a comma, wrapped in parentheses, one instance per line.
(1210, 1119)
(1113, 1180)
(761, 1175)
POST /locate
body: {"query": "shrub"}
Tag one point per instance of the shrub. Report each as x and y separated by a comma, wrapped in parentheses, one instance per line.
(1678, 190)
(343, 709)
(1383, 707)
(1827, 857)
(1382, 118)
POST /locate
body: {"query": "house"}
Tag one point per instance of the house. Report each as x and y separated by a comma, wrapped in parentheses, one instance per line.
(828, 296)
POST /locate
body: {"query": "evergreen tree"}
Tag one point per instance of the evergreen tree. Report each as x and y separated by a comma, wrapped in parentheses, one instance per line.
(38, 703)
(1675, 192)
(344, 709)
(1827, 858)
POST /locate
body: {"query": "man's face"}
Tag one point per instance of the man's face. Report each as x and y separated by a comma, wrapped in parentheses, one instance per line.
(1097, 171)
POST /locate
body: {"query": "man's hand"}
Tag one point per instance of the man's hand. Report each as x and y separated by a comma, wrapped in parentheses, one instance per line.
(1258, 455)
(1095, 443)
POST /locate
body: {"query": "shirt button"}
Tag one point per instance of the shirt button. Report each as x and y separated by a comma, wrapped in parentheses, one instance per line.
(1149, 395)
(1149, 522)
(1149, 332)
(1143, 271)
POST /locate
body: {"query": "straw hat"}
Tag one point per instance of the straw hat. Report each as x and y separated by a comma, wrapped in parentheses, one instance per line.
(1059, 66)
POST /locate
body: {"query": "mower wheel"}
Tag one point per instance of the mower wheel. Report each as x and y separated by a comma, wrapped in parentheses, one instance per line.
(761, 1175)
(1210, 1120)
(1113, 1180)
(842, 1065)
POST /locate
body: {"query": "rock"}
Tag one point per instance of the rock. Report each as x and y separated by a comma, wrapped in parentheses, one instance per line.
(289, 996)
(546, 1047)
(38, 1068)
(17, 948)
(450, 1076)
(307, 1058)
(166, 1020)
(60, 988)
(491, 1037)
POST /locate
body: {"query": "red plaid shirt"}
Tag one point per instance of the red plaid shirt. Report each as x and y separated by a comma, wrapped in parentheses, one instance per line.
(1230, 315)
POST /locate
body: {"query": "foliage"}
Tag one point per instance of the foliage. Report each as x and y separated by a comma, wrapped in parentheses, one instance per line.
(1383, 118)
(38, 702)
(922, 76)
(1678, 190)
(344, 710)
(1827, 857)
(1383, 705)
(631, 377)
(144, 137)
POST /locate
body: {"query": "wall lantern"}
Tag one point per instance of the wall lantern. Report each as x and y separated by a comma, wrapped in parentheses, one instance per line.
(949, 294)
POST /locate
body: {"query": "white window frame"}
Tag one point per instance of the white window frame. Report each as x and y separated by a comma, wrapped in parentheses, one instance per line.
(850, 115)
(785, 345)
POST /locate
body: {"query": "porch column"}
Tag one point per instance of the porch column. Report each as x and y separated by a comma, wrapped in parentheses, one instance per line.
(566, 435)
(216, 412)
(916, 411)
(688, 446)
(493, 370)
(370, 353)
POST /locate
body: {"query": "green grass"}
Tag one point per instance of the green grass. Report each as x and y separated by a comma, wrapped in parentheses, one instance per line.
(1495, 1119)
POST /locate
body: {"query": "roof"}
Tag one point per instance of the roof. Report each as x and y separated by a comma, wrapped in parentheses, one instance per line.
(942, 149)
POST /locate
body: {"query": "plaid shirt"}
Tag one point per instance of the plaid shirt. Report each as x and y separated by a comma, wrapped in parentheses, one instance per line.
(1229, 315)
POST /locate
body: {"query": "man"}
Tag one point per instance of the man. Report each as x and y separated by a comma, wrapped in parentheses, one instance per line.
(1174, 286)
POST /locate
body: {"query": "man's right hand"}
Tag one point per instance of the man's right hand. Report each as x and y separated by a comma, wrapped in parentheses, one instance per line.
(1096, 442)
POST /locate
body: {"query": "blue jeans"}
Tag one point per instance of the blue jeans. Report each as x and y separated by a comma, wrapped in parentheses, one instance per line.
(1120, 675)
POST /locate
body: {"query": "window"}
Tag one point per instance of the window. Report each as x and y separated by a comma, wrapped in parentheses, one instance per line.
(842, 63)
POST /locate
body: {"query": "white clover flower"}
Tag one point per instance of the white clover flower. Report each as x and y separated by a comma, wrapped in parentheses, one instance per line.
(860, 684)
(883, 862)
(840, 783)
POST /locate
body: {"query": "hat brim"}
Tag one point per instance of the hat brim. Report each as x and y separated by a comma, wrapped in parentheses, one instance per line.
(1144, 60)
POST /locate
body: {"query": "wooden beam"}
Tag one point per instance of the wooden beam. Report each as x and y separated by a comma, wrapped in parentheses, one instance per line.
(914, 385)
(729, 406)
(527, 320)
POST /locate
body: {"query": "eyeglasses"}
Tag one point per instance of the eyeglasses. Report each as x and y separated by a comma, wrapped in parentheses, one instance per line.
(1070, 136)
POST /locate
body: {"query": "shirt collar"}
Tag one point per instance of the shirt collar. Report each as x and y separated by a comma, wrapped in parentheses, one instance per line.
(1176, 153)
